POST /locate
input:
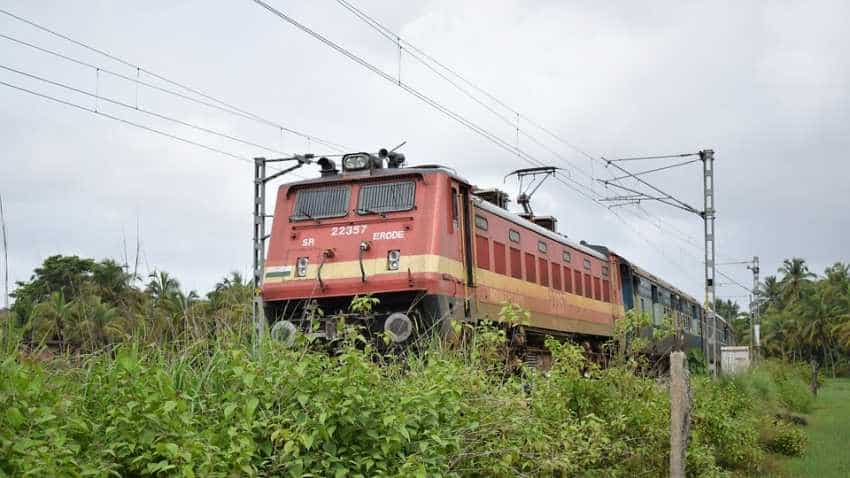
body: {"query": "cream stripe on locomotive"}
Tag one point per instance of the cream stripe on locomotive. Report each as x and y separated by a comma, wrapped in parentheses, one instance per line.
(429, 263)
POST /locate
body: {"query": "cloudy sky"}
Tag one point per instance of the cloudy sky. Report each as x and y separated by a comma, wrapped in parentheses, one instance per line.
(764, 84)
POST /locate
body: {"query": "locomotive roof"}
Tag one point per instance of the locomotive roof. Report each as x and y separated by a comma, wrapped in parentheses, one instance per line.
(382, 173)
(492, 208)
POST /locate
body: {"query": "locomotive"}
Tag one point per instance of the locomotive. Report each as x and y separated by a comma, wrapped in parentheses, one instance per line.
(433, 248)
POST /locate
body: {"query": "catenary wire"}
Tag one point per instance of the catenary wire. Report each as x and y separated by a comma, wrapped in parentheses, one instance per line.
(134, 124)
(217, 103)
(143, 110)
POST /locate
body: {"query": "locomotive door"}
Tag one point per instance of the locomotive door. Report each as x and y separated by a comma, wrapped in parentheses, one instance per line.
(466, 228)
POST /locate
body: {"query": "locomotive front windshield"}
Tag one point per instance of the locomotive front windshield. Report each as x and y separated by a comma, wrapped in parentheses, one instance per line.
(321, 203)
(381, 198)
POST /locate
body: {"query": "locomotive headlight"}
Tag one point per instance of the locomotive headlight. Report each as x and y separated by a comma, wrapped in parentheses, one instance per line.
(352, 162)
(393, 259)
(301, 266)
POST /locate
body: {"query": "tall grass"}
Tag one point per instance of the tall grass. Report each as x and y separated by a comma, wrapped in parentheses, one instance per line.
(215, 407)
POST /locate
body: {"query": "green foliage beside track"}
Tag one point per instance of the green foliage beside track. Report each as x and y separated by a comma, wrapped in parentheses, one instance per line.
(157, 382)
(216, 408)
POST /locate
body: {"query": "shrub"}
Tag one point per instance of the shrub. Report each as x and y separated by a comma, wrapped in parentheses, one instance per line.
(788, 440)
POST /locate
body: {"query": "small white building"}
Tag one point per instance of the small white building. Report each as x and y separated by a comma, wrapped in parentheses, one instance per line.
(734, 359)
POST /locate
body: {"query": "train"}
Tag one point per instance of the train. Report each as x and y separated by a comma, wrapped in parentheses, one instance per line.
(433, 248)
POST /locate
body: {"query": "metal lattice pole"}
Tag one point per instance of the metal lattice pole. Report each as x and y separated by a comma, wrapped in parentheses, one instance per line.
(259, 247)
(708, 215)
(755, 340)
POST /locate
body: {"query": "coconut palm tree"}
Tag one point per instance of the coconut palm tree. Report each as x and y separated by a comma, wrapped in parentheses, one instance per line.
(161, 286)
(50, 319)
(770, 293)
(795, 275)
(96, 323)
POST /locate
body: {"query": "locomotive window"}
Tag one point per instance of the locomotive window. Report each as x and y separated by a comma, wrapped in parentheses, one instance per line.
(542, 247)
(556, 276)
(386, 197)
(543, 267)
(499, 258)
(568, 280)
(321, 203)
(482, 250)
(587, 264)
(530, 268)
(481, 222)
(604, 271)
(513, 235)
(567, 256)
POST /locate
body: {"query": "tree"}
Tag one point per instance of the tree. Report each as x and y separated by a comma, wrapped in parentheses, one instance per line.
(769, 293)
(50, 319)
(62, 274)
(796, 275)
(161, 286)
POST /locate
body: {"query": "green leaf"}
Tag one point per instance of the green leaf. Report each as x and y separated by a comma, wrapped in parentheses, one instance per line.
(15, 417)
(251, 406)
(307, 440)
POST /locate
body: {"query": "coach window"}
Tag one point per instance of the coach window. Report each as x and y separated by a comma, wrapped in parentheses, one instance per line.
(568, 280)
(542, 247)
(568, 257)
(513, 235)
(587, 264)
(481, 222)
(588, 286)
(605, 271)
(597, 289)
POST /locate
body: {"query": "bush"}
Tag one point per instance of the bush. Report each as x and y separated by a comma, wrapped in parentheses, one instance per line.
(788, 440)
(216, 408)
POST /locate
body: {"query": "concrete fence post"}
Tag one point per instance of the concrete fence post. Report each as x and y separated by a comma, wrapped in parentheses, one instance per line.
(680, 411)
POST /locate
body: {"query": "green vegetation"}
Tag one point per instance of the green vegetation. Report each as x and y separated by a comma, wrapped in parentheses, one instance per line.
(154, 381)
(829, 434)
(804, 317)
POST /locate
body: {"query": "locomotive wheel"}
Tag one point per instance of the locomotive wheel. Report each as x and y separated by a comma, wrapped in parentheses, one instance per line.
(399, 327)
(284, 332)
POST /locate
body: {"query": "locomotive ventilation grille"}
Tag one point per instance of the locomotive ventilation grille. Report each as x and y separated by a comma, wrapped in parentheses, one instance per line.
(322, 203)
(386, 197)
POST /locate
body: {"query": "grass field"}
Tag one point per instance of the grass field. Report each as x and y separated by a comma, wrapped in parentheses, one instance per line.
(828, 454)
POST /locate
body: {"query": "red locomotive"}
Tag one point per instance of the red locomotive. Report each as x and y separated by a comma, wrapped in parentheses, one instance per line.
(433, 248)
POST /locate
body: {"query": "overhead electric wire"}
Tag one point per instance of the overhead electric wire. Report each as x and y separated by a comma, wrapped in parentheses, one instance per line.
(734, 281)
(427, 60)
(128, 122)
(404, 86)
(142, 110)
(396, 38)
(221, 105)
(665, 156)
